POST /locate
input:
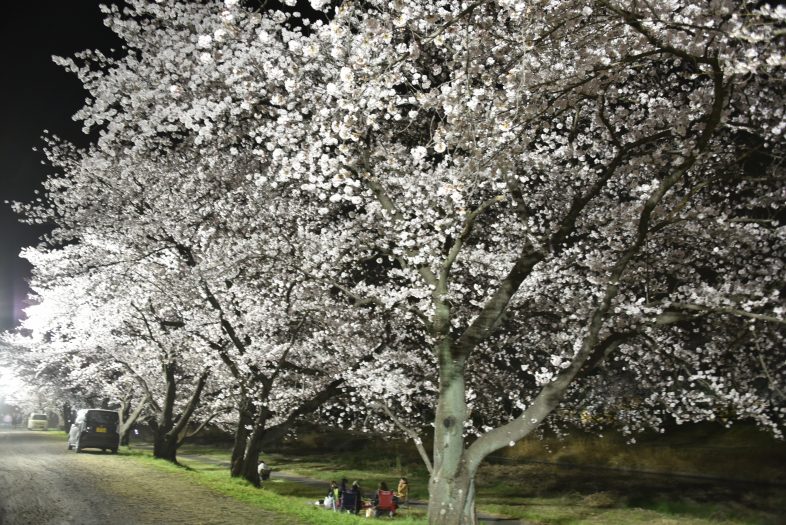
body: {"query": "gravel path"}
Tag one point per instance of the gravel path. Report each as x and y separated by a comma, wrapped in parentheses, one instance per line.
(42, 483)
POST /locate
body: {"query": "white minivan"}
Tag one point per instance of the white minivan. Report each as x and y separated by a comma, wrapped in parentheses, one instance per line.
(37, 422)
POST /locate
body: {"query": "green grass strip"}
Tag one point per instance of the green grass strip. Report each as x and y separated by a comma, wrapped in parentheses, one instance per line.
(297, 509)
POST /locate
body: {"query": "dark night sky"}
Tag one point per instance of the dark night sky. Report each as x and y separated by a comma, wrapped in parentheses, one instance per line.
(35, 94)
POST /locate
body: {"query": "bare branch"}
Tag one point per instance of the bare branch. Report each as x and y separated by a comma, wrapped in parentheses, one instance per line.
(408, 431)
(728, 310)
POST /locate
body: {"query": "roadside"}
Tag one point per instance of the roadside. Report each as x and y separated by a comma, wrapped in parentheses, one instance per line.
(42, 483)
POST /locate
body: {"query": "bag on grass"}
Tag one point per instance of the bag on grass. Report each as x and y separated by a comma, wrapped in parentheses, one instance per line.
(329, 502)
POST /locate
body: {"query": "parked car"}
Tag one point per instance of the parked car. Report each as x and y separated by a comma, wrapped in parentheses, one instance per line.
(37, 422)
(95, 428)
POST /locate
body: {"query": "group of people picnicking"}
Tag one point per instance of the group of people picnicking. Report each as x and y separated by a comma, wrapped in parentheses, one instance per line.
(384, 501)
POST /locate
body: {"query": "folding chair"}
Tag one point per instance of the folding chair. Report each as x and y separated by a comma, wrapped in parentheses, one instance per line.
(350, 502)
(386, 503)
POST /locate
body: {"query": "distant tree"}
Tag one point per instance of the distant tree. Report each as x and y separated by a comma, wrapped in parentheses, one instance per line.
(117, 338)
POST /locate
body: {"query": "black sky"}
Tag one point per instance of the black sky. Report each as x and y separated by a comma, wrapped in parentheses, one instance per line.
(35, 94)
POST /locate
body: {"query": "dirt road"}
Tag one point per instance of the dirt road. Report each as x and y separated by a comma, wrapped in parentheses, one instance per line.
(42, 483)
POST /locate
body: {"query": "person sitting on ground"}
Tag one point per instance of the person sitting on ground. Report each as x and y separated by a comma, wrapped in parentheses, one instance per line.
(263, 471)
(385, 502)
(403, 490)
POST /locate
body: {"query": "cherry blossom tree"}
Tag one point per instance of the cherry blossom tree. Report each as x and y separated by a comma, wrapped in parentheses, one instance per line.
(161, 189)
(125, 343)
(567, 192)
(559, 210)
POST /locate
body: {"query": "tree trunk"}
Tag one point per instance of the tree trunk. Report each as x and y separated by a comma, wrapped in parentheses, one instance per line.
(128, 418)
(254, 447)
(242, 431)
(164, 447)
(169, 429)
(66, 411)
(452, 500)
(451, 487)
(251, 458)
(125, 428)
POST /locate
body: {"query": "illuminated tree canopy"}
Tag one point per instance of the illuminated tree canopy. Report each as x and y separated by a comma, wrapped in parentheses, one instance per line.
(483, 216)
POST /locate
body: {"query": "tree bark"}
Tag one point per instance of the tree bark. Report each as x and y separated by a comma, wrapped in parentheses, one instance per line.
(66, 411)
(452, 501)
(125, 435)
(242, 431)
(161, 448)
(168, 429)
(128, 418)
(164, 447)
(253, 448)
(451, 486)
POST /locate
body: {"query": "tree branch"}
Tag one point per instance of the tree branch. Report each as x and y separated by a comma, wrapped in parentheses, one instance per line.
(142, 383)
(185, 416)
(409, 432)
(728, 310)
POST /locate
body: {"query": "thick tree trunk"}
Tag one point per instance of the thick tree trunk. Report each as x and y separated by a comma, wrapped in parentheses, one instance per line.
(253, 448)
(451, 487)
(66, 411)
(251, 457)
(128, 418)
(242, 431)
(169, 429)
(164, 447)
(125, 428)
(452, 500)
(262, 435)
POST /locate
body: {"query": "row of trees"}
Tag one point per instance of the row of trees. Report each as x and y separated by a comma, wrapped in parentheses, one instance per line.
(469, 217)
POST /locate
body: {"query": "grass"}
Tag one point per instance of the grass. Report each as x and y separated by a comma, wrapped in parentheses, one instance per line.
(581, 509)
(298, 508)
(519, 484)
(727, 478)
(741, 452)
